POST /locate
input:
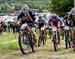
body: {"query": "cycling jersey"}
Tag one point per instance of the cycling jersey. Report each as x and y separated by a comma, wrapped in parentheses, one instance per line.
(25, 19)
(55, 22)
(68, 23)
(72, 13)
(41, 22)
(73, 23)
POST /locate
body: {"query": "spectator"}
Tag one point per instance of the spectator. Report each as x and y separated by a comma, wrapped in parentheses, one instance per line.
(1, 29)
(14, 26)
(4, 26)
(9, 26)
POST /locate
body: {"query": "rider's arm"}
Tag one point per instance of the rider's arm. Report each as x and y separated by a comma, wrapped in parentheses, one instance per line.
(50, 22)
(18, 21)
(19, 18)
(61, 22)
(31, 15)
(28, 14)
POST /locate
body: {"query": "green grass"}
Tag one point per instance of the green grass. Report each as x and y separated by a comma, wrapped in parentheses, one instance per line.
(8, 37)
(13, 47)
(10, 46)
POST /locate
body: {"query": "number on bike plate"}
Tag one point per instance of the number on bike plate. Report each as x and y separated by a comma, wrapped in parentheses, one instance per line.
(66, 28)
(42, 28)
(23, 26)
(50, 27)
(54, 29)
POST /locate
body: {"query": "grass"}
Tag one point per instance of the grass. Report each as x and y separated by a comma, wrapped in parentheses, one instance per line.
(10, 46)
(8, 37)
(6, 48)
(48, 49)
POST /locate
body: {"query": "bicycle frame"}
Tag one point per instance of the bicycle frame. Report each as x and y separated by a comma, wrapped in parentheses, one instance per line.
(55, 38)
(26, 32)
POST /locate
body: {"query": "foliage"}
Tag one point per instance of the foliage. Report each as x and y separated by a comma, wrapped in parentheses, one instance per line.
(61, 6)
(8, 6)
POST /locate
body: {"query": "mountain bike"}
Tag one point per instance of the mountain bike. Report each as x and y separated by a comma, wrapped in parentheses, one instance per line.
(55, 38)
(42, 36)
(26, 40)
(67, 37)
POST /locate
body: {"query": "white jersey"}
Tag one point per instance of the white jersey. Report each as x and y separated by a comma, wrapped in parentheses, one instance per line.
(73, 11)
(23, 26)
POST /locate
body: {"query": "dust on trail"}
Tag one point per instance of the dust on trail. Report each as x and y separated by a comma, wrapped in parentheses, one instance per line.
(43, 52)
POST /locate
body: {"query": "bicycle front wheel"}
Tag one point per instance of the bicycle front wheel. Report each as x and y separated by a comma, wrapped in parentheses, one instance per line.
(24, 46)
(55, 42)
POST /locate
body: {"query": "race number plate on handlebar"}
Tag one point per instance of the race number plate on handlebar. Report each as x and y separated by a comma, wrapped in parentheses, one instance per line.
(42, 28)
(66, 27)
(54, 29)
(23, 26)
(50, 27)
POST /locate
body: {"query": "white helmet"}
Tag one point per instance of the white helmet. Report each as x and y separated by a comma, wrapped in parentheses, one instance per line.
(25, 7)
(54, 15)
(72, 11)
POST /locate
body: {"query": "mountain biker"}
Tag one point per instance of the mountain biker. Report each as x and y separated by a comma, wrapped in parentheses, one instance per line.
(67, 27)
(55, 21)
(41, 25)
(27, 16)
(41, 22)
(72, 18)
(67, 21)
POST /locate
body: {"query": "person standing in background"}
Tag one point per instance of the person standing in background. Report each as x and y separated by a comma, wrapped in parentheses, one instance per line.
(1, 29)
(14, 24)
(9, 26)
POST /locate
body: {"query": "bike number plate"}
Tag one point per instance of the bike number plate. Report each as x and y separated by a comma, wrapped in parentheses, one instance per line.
(42, 28)
(54, 29)
(50, 27)
(66, 28)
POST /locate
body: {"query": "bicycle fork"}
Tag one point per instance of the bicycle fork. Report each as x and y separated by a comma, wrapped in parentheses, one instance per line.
(55, 40)
(55, 37)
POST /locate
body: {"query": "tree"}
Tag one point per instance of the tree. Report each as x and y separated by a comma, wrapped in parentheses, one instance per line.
(61, 6)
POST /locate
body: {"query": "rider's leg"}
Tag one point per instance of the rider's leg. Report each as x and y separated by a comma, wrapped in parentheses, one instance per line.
(33, 31)
(58, 32)
(73, 38)
(32, 47)
(34, 34)
(50, 33)
(67, 39)
(39, 40)
(45, 35)
(62, 34)
(73, 34)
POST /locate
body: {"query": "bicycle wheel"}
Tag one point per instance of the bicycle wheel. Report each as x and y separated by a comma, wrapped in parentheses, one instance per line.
(39, 41)
(24, 47)
(55, 43)
(55, 46)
